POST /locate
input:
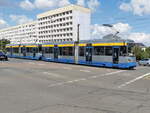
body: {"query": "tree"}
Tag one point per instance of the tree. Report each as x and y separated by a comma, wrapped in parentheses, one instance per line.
(3, 43)
(141, 54)
(144, 54)
(137, 51)
(148, 51)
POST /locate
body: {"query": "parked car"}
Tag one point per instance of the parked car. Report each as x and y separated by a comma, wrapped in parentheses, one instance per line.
(3, 56)
(145, 62)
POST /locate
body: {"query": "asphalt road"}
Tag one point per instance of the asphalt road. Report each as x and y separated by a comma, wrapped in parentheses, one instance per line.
(28, 86)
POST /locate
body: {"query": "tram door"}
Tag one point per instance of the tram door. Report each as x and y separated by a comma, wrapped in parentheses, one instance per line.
(24, 51)
(88, 53)
(115, 55)
(11, 51)
(34, 52)
(55, 52)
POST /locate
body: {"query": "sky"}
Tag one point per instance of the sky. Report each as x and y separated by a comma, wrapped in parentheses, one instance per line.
(130, 17)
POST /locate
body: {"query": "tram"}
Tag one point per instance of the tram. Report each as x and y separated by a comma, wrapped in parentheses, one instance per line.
(104, 53)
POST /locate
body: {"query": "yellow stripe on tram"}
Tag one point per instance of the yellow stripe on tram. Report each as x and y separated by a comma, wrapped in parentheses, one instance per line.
(14, 46)
(31, 46)
(109, 44)
(65, 45)
(82, 44)
(21, 46)
(47, 45)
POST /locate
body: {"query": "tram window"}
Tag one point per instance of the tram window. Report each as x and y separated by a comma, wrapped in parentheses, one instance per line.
(71, 51)
(123, 51)
(28, 49)
(22, 49)
(47, 50)
(40, 48)
(67, 51)
(99, 50)
(8, 49)
(60, 51)
(16, 50)
(108, 51)
(81, 51)
(34, 50)
(51, 50)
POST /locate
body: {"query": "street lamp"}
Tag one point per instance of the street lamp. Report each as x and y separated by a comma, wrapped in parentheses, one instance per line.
(112, 27)
(78, 33)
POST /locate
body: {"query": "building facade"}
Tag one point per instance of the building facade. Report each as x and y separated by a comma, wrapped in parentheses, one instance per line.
(62, 24)
(21, 34)
(57, 25)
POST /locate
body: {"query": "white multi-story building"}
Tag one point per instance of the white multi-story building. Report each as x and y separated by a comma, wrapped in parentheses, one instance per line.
(53, 26)
(21, 34)
(62, 24)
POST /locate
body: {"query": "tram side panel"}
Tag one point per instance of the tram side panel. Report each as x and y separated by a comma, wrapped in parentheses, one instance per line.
(106, 56)
(48, 53)
(66, 54)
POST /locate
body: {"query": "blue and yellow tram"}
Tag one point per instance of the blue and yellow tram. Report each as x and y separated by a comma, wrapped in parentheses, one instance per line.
(94, 52)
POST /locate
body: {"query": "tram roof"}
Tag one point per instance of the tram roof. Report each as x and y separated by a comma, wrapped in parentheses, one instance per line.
(81, 41)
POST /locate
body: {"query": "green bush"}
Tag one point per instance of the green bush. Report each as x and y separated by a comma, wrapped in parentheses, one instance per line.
(141, 54)
(3, 44)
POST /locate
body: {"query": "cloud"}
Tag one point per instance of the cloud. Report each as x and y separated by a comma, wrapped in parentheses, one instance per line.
(140, 37)
(125, 7)
(138, 7)
(122, 27)
(20, 19)
(63, 3)
(98, 31)
(93, 4)
(81, 2)
(3, 24)
(43, 4)
(49, 4)
(27, 5)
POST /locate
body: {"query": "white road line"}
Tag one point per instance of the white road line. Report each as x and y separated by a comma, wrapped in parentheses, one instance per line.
(134, 80)
(30, 62)
(68, 68)
(107, 74)
(41, 64)
(87, 71)
(83, 79)
(52, 74)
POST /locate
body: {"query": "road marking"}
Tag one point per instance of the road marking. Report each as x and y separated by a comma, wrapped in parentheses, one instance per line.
(83, 79)
(30, 62)
(68, 68)
(41, 64)
(93, 77)
(107, 74)
(52, 74)
(87, 71)
(134, 80)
